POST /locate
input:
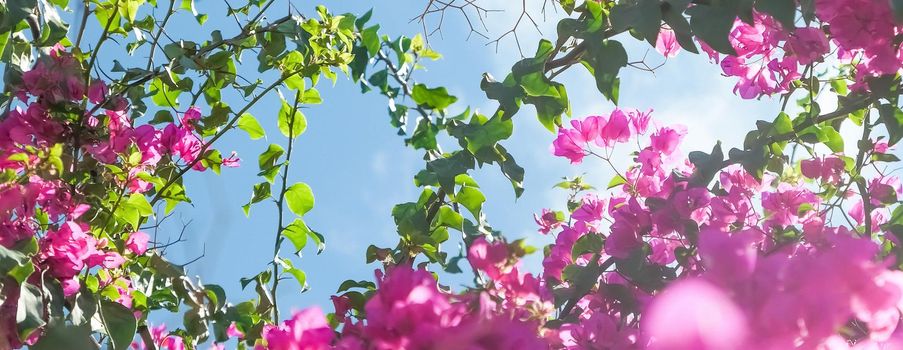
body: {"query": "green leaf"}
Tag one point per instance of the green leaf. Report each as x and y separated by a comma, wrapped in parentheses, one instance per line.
(16, 11)
(300, 198)
(897, 6)
(892, 117)
(30, 312)
(65, 336)
(139, 202)
(712, 24)
(250, 125)
(489, 133)
(268, 160)
(435, 98)
(587, 244)
(291, 121)
(348, 284)
(119, 323)
(297, 232)
(449, 167)
(261, 191)
(311, 96)
(511, 170)
(164, 95)
(299, 275)
(449, 218)
(782, 124)
(84, 308)
(782, 10)
(370, 38)
(644, 16)
(605, 61)
(424, 136)
(472, 199)
(616, 181)
(16, 260)
(831, 138)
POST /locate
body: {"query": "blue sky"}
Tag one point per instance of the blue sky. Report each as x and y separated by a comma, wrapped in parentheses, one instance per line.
(359, 168)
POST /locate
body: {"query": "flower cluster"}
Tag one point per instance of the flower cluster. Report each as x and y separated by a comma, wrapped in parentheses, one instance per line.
(757, 266)
(409, 311)
(60, 129)
(768, 57)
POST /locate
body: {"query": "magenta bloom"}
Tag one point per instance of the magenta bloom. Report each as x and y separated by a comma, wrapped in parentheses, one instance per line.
(306, 330)
(488, 257)
(616, 130)
(829, 169)
(137, 242)
(407, 311)
(547, 222)
(667, 43)
(694, 315)
(808, 44)
(783, 205)
(569, 144)
(97, 92)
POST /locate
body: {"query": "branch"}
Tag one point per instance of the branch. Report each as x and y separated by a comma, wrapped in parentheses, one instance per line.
(229, 126)
(155, 42)
(280, 205)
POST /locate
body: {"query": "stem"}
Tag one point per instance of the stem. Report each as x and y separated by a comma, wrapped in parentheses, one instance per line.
(840, 113)
(260, 14)
(280, 204)
(155, 42)
(147, 338)
(81, 29)
(860, 181)
(103, 38)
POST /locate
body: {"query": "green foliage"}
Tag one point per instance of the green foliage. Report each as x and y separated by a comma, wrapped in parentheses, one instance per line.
(119, 323)
(250, 125)
(300, 198)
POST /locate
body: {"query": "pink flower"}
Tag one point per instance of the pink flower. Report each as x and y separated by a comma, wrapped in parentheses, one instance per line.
(591, 209)
(784, 204)
(666, 140)
(232, 161)
(407, 311)
(306, 330)
(97, 92)
(137, 242)
(342, 305)
(829, 169)
(639, 121)
(488, 257)
(808, 44)
(728, 257)
(548, 221)
(233, 332)
(694, 315)
(162, 339)
(616, 130)
(880, 147)
(667, 43)
(192, 115)
(493, 334)
(569, 144)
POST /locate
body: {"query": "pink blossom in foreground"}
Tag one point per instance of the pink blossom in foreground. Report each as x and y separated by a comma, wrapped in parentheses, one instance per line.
(306, 330)
(808, 45)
